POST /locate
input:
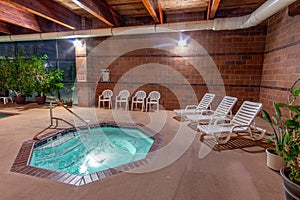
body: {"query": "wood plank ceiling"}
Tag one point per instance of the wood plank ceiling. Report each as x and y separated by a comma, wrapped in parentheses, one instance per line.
(34, 16)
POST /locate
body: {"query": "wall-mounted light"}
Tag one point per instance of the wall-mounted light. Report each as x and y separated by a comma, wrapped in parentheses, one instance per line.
(182, 43)
(78, 43)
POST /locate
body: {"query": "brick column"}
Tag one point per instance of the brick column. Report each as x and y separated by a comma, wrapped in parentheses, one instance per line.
(86, 89)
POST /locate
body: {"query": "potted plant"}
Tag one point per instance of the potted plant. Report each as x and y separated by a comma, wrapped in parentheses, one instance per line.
(4, 63)
(46, 81)
(289, 148)
(69, 91)
(20, 77)
(275, 160)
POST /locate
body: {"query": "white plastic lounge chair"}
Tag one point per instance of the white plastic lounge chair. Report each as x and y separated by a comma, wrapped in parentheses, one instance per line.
(106, 96)
(153, 98)
(139, 97)
(123, 97)
(222, 111)
(204, 104)
(241, 122)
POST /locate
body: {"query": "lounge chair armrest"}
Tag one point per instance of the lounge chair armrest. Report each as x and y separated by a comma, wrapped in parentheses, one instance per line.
(190, 107)
(204, 112)
(217, 118)
(239, 126)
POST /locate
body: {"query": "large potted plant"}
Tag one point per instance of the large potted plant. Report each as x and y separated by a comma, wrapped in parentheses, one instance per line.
(20, 78)
(289, 148)
(46, 81)
(4, 63)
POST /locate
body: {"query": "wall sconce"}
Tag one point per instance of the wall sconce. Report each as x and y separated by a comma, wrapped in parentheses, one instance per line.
(78, 43)
(182, 43)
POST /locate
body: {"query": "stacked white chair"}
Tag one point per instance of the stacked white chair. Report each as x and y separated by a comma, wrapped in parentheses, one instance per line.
(106, 96)
(153, 99)
(123, 97)
(138, 98)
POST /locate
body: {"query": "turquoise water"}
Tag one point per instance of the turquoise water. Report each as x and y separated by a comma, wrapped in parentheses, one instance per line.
(3, 115)
(88, 151)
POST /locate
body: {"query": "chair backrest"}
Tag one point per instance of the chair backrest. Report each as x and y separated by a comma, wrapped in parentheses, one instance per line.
(226, 105)
(107, 93)
(140, 95)
(206, 101)
(246, 113)
(124, 94)
(154, 96)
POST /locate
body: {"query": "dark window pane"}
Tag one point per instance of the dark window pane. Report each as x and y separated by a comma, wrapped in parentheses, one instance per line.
(7, 49)
(66, 49)
(26, 48)
(47, 47)
(69, 71)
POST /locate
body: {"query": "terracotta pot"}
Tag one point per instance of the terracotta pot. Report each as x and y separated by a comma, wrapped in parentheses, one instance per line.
(20, 99)
(40, 99)
(4, 93)
(69, 103)
(274, 161)
(291, 189)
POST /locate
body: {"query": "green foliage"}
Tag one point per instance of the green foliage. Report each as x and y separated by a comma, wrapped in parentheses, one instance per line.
(46, 82)
(19, 76)
(24, 76)
(286, 131)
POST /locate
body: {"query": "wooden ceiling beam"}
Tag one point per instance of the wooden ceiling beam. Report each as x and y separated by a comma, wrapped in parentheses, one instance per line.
(52, 11)
(161, 13)
(213, 6)
(101, 10)
(152, 7)
(14, 15)
(4, 28)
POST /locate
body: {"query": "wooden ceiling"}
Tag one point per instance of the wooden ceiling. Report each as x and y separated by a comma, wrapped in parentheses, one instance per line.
(36, 16)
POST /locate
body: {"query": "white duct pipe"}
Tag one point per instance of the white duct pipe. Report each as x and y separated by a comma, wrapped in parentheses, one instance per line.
(262, 13)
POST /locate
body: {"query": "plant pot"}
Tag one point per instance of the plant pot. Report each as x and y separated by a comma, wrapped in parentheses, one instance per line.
(20, 99)
(274, 161)
(291, 189)
(69, 103)
(4, 93)
(40, 100)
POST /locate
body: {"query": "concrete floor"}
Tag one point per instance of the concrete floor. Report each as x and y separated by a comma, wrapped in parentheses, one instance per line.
(185, 167)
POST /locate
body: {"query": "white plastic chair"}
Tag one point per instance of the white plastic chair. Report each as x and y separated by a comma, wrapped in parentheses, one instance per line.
(5, 99)
(241, 122)
(139, 97)
(123, 97)
(204, 104)
(106, 96)
(153, 98)
(222, 111)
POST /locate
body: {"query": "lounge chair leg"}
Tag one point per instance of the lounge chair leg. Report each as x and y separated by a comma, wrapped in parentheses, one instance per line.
(223, 141)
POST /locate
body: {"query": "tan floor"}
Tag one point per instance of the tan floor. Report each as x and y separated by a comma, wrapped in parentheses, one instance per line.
(185, 167)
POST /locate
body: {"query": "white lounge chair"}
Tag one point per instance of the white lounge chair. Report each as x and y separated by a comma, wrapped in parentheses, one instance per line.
(204, 104)
(123, 97)
(153, 98)
(241, 122)
(139, 97)
(106, 96)
(222, 111)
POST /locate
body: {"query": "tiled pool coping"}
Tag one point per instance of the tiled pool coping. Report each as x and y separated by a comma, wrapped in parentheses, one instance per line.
(21, 163)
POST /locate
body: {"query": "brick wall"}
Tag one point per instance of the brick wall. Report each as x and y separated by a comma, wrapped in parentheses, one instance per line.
(221, 62)
(282, 59)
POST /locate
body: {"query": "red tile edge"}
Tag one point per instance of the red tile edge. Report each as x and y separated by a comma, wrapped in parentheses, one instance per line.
(21, 166)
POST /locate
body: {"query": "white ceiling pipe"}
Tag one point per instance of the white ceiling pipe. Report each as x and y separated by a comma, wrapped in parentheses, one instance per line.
(262, 13)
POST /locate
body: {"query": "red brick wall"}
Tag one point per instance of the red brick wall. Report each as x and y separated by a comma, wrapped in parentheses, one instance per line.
(282, 59)
(237, 56)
